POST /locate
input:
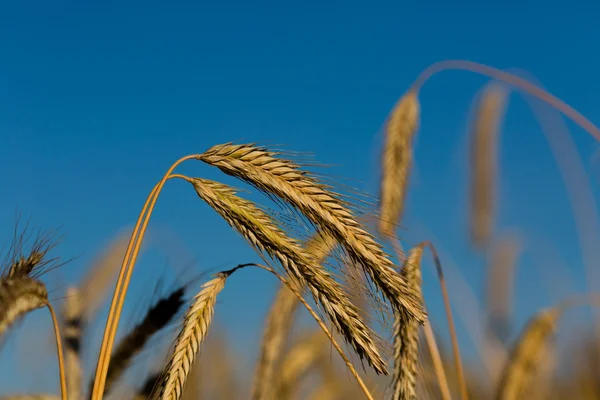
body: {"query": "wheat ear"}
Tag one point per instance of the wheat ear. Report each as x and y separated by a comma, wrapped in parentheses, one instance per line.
(484, 162)
(406, 335)
(157, 317)
(298, 362)
(72, 323)
(196, 323)
(279, 323)
(501, 272)
(18, 296)
(281, 178)
(396, 159)
(262, 232)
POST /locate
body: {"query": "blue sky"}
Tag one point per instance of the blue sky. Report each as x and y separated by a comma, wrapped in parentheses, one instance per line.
(98, 99)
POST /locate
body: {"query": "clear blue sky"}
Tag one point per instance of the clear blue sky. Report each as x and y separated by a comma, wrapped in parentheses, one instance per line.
(97, 99)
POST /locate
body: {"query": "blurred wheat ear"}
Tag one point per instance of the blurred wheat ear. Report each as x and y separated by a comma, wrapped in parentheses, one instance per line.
(484, 161)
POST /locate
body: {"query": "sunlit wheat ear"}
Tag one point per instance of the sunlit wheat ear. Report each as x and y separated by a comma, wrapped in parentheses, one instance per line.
(196, 323)
(526, 354)
(484, 162)
(406, 335)
(396, 161)
(283, 179)
(262, 232)
(72, 336)
(157, 317)
(298, 362)
(19, 296)
(501, 272)
(279, 323)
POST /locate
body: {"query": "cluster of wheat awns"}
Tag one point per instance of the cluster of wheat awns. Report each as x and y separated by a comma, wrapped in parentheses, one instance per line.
(301, 267)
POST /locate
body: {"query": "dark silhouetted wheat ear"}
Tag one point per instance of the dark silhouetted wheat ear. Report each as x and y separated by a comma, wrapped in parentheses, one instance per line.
(406, 335)
(262, 232)
(157, 317)
(282, 178)
(396, 160)
(279, 323)
(484, 162)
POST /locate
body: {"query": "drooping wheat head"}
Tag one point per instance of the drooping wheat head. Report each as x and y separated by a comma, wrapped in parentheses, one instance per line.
(262, 232)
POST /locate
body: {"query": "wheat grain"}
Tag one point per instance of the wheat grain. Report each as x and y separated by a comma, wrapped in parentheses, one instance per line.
(262, 233)
(484, 160)
(406, 335)
(396, 159)
(283, 179)
(279, 323)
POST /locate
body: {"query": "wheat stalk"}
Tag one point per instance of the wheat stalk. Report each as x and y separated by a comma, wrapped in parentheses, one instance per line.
(281, 178)
(157, 317)
(406, 335)
(279, 323)
(396, 159)
(484, 160)
(262, 233)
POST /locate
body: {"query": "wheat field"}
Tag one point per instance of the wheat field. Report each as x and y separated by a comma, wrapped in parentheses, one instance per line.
(338, 260)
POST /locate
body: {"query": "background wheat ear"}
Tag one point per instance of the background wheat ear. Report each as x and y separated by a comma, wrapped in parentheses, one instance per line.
(400, 130)
(484, 161)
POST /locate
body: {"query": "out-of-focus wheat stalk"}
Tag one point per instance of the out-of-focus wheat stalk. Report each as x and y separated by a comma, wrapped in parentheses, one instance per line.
(484, 162)
(396, 159)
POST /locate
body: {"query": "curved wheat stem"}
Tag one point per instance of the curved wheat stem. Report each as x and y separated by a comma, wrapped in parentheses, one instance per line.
(512, 80)
(281, 178)
(400, 129)
(59, 351)
(262, 233)
(279, 323)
